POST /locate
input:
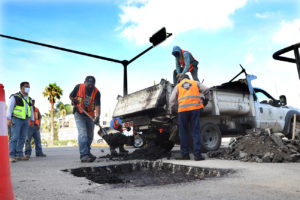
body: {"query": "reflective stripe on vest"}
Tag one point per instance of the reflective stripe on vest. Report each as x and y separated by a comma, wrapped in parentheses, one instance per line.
(181, 61)
(81, 97)
(188, 96)
(20, 111)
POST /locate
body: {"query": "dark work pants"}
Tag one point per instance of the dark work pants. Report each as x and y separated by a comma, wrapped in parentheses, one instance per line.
(185, 119)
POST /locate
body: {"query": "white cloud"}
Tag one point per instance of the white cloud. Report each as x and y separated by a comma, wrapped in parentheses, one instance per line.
(289, 33)
(141, 18)
(249, 59)
(264, 15)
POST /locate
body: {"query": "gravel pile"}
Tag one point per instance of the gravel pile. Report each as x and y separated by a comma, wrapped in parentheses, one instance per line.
(260, 146)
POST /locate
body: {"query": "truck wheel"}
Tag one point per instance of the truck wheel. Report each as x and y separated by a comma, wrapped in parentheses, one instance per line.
(210, 137)
(138, 142)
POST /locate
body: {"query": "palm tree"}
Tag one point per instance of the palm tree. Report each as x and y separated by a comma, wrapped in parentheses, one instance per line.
(52, 92)
(62, 111)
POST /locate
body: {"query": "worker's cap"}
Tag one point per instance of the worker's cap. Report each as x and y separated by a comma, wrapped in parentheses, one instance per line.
(180, 77)
(90, 80)
(33, 100)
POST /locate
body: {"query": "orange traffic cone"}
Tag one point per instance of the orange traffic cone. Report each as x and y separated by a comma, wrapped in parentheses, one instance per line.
(6, 190)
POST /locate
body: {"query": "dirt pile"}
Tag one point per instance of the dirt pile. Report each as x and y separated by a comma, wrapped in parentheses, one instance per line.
(148, 153)
(260, 146)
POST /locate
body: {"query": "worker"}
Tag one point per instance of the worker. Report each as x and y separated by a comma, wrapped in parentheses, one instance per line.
(187, 94)
(117, 124)
(86, 96)
(185, 62)
(19, 112)
(34, 131)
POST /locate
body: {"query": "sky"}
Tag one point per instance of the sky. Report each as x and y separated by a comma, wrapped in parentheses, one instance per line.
(220, 35)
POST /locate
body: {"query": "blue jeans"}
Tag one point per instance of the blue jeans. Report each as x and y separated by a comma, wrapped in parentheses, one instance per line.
(35, 133)
(18, 133)
(85, 128)
(185, 119)
(194, 74)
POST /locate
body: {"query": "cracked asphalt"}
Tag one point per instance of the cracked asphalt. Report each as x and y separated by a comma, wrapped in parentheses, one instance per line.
(42, 178)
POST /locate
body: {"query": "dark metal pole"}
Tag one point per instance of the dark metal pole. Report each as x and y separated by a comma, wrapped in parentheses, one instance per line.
(297, 57)
(133, 59)
(295, 47)
(62, 49)
(125, 63)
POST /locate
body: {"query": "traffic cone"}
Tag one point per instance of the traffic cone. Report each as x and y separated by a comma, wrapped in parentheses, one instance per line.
(6, 190)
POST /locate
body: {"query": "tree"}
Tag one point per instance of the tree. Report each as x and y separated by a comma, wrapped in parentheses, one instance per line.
(62, 111)
(52, 92)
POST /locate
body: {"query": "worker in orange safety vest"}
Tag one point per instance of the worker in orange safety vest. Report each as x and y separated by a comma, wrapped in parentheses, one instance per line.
(187, 95)
(86, 96)
(185, 62)
(34, 131)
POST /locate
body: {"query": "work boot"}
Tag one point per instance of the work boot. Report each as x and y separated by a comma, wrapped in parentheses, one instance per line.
(27, 156)
(198, 158)
(41, 155)
(22, 158)
(185, 157)
(88, 159)
(113, 152)
(93, 156)
(12, 160)
(122, 150)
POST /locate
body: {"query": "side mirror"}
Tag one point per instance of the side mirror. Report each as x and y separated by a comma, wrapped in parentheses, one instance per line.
(282, 99)
(159, 36)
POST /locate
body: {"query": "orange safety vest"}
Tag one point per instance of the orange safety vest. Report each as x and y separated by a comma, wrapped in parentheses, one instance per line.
(36, 117)
(181, 61)
(81, 97)
(188, 96)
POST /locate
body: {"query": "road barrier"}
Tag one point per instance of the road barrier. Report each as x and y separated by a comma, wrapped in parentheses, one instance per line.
(6, 190)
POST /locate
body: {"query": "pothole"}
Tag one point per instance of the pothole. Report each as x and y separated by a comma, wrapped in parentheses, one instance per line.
(145, 173)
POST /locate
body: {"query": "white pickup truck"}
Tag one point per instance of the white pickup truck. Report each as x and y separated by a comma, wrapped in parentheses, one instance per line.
(232, 108)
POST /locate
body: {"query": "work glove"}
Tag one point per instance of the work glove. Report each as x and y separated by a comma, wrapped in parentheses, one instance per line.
(204, 101)
(75, 102)
(96, 121)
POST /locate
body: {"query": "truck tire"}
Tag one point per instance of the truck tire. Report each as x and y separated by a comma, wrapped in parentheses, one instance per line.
(138, 142)
(211, 136)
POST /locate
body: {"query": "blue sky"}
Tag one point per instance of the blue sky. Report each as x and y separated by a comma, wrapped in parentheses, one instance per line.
(220, 37)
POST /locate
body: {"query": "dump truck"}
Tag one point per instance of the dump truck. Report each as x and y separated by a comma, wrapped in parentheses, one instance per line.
(232, 108)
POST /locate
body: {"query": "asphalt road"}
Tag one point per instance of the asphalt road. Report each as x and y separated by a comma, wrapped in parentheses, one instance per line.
(42, 178)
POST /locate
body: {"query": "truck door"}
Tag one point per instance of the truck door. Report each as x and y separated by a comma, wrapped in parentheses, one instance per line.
(270, 113)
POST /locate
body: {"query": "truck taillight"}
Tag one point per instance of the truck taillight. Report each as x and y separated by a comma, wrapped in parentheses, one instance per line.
(126, 124)
(130, 123)
(134, 132)
(161, 130)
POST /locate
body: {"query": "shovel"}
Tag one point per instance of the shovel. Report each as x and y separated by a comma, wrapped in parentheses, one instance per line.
(102, 131)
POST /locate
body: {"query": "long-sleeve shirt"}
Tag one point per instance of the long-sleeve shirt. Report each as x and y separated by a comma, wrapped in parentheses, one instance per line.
(174, 96)
(12, 105)
(188, 59)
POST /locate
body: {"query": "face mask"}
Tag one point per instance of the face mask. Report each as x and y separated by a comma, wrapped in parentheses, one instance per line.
(27, 90)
